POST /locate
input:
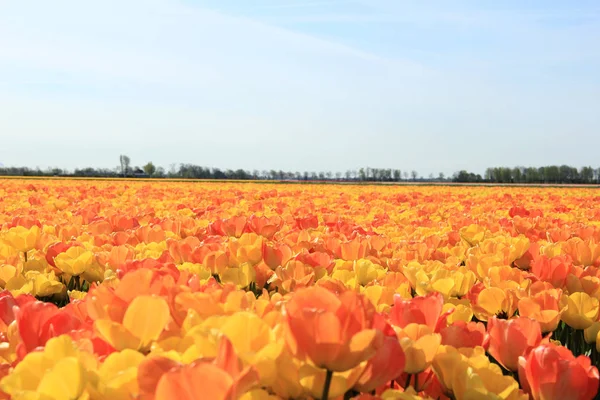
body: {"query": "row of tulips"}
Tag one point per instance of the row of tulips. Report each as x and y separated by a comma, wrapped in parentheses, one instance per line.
(227, 291)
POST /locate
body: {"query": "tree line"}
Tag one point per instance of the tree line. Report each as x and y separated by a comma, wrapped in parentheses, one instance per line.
(553, 174)
(192, 171)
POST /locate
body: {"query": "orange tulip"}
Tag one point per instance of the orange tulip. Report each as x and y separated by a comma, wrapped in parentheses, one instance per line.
(544, 307)
(463, 334)
(386, 365)
(422, 310)
(554, 270)
(150, 371)
(222, 379)
(334, 332)
(510, 339)
(552, 372)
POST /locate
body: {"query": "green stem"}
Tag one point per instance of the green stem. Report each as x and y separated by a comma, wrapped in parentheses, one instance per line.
(25, 254)
(582, 342)
(417, 383)
(328, 378)
(575, 343)
(407, 381)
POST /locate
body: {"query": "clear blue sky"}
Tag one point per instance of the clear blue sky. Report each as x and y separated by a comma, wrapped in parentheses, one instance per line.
(300, 84)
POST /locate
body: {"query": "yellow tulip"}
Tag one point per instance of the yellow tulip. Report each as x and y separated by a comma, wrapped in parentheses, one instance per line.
(287, 385)
(241, 277)
(420, 345)
(145, 319)
(8, 349)
(93, 273)
(44, 284)
(445, 364)
(197, 269)
(253, 339)
(74, 261)
(259, 394)
(582, 310)
(59, 372)
(7, 272)
(118, 375)
(473, 234)
(366, 271)
(21, 238)
(409, 394)
(469, 374)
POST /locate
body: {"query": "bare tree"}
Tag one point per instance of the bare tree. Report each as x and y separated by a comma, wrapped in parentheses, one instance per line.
(414, 174)
(125, 161)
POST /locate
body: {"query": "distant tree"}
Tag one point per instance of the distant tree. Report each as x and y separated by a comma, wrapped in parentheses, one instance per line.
(587, 175)
(125, 161)
(218, 174)
(362, 175)
(414, 174)
(149, 168)
(160, 172)
(172, 170)
(517, 175)
(405, 175)
(397, 175)
(441, 176)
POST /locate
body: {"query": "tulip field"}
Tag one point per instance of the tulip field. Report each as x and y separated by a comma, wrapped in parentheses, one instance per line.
(204, 290)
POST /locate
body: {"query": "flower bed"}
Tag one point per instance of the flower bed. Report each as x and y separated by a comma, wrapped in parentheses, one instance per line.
(174, 290)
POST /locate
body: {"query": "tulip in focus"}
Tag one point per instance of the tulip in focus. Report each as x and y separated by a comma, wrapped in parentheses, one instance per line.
(420, 344)
(423, 310)
(334, 332)
(510, 339)
(223, 378)
(386, 365)
(463, 334)
(551, 372)
(581, 310)
(544, 307)
(21, 238)
(74, 261)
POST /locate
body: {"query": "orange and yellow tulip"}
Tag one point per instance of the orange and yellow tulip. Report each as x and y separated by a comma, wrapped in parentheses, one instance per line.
(335, 333)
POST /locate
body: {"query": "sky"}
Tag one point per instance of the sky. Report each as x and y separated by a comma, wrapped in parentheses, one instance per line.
(300, 85)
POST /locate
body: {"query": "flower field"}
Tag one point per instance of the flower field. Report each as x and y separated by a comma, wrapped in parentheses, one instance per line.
(178, 290)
